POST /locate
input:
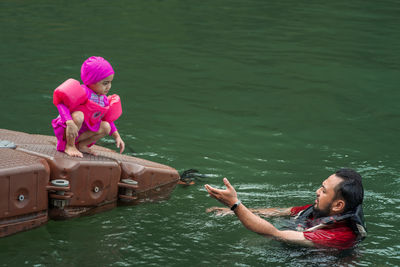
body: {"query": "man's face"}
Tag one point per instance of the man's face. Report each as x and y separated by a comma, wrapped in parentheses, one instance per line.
(325, 196)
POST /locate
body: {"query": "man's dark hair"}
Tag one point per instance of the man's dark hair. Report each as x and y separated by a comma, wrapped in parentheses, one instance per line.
(350, 189)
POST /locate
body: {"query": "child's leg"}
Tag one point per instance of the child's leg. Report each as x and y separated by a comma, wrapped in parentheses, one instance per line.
(89, 137)
(70, 148)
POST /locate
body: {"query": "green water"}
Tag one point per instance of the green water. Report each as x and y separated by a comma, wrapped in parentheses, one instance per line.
(273, 95)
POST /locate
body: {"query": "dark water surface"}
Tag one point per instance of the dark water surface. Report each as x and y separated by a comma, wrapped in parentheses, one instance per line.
(275, 96)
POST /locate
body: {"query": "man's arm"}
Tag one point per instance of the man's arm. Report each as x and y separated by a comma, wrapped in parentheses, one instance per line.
(265, 212)
(260, 226)
(253, 222)
(272, 212)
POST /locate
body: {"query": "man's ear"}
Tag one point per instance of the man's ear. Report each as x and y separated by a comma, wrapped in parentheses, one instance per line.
(338, 205)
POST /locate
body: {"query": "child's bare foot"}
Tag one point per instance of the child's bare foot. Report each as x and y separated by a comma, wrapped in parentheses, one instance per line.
(86, 149)
(73, 152)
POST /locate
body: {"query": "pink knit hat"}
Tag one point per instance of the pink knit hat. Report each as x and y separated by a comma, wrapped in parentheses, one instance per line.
(95, 69)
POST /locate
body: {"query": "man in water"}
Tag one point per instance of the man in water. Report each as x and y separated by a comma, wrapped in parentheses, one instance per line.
(334, 220)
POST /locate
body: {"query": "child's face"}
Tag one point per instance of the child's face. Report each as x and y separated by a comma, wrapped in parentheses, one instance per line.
(102, 87)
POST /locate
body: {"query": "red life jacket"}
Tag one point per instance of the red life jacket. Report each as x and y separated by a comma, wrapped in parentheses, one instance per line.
(355, 220)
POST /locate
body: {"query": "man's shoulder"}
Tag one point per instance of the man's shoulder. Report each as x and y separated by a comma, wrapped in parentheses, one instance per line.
(295, 210)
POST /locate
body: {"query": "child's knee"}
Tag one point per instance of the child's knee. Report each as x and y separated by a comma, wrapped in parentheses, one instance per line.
(78, 117)
(105, 128)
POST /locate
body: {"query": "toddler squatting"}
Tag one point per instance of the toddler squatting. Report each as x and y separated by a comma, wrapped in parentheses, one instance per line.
(86, 113)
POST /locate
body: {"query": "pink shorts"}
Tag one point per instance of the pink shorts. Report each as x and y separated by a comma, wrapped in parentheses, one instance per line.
(59, 127)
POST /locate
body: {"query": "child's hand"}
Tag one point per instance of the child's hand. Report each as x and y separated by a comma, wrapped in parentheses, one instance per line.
(72, 130)
(118, 141)
(120, 144)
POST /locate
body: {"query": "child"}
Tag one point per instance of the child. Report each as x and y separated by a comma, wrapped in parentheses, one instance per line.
(84, 109)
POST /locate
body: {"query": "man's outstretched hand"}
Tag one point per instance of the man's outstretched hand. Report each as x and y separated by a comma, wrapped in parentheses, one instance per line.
(228, 197)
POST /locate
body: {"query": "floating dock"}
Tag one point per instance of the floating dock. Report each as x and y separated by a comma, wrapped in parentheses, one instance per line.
(38, 183)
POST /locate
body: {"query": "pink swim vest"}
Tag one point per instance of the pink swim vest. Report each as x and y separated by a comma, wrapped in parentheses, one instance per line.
(73, 95)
